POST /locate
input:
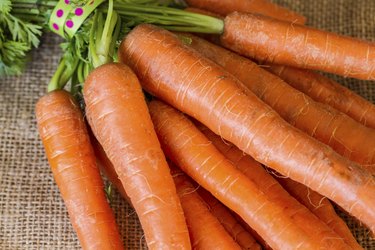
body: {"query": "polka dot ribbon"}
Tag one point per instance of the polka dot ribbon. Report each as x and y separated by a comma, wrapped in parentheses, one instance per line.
(66, 17)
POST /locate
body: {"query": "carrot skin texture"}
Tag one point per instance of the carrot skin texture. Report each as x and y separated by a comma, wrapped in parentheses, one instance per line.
(264, 7)
(317, 204)
(317, 86)
(108, 169)
(119, 118)
(233, 227)
(185, 145)
(321, 207)
(345, 135)
(205, 230)
(259, 239)
(185, 79)
(274, 41)
(325, 90)
(72, 160)
(270, 186)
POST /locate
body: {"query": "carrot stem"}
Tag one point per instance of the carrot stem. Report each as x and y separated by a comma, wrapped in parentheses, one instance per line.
(171, 18)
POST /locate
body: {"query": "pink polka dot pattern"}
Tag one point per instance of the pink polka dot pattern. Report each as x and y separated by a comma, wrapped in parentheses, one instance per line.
(55, 26)
(60, 13)
(78, 11)
(68, 15)
(69, 23)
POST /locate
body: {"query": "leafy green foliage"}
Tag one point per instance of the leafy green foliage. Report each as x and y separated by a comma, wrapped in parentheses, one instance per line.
(96, 41)
(5, 7)
(17, 37)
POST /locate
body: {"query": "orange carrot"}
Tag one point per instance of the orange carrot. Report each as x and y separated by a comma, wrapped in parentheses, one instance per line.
(254, 171)
(265, 7)
(72, 160)
(345, 135)
(119, 118)
(233, 227)
(107, 168)
(182, 77)
(318, 87)
(274, 41)
(261, 241)
(185, 145)
(205, 230)
(321, 207)
(325, 90)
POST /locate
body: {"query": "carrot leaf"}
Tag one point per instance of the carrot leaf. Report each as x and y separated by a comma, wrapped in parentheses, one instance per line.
(17, 36)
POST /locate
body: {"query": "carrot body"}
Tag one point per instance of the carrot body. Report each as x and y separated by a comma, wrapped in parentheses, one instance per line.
(205, 230)
(233, 227)
(274, 41)
(345, 135)
(108, 169)
(118, 115)
(325, 90)
(189, 148)
(265, 7)
(72, 160)
(321, 207)
(305, 218)
(182, 77)
(261, 241)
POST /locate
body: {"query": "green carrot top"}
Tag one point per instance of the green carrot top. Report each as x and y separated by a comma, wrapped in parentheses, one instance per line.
(92, 30)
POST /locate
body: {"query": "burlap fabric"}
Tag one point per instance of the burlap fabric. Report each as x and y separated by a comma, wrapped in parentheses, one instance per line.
(32, 214)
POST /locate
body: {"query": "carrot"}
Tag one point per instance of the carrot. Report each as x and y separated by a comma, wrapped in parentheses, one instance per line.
(274, 41)
(250, 168)
(119, 118)
(321, 207)
(72, 160)
(233, 227)
(265, 7)
(107, 168)
(345, 135)
(205, 230)
(270, 186)
(318, 87)
(261, 241)
(186, 146)
(182, 77)
(325, 90)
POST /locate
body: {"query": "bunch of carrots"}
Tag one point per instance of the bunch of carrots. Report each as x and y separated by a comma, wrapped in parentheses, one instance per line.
(238, 145)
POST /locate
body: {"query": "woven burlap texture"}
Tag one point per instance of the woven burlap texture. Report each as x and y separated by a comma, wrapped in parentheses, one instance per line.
(32, 214)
